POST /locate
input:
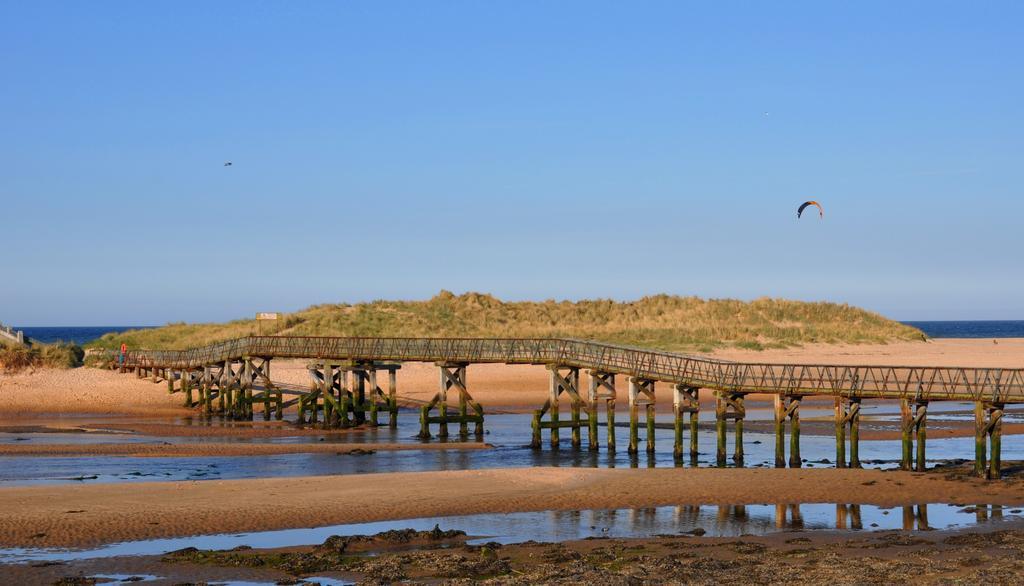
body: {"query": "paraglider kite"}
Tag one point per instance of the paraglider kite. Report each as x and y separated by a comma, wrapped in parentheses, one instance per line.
(803, 206)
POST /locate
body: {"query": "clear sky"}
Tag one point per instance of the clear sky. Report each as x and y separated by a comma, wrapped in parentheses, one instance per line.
(531, 150)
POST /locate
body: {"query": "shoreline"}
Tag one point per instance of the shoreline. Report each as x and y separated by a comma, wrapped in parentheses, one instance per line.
(217, 449)
(90, 515)
(968, 555)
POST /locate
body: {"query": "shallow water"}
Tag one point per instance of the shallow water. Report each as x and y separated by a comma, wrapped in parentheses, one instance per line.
(508, 433)
(714, 521)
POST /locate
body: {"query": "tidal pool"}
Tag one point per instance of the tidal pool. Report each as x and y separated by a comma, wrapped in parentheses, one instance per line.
(553, 526)
(509, 435)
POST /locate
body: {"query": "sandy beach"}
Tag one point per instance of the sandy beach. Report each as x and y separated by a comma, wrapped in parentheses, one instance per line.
(100, 513)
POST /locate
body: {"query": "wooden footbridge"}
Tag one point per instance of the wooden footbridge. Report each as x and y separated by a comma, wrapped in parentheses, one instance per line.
(346, 373)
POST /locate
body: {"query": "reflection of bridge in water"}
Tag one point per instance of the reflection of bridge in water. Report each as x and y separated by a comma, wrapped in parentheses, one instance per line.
(737, 520)
(231, 377)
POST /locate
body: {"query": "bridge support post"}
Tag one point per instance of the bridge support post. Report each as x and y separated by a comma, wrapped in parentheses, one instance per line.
(258, 369)
(453, 376)
(328, 393)
(567, 382)
(206, 392)
(921, 419)
(224, 388)
(787, 407)
(847, 416)
(641, 394)
(685, 400)
(913, 418)
(393, 397)
(988, 421)
(602, 387)
(186, 387)
(729, 405)
(360, 378)
(366, 394)
(246, 375)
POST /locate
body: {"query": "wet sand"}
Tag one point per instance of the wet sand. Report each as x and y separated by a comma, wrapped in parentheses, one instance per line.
(213, 449)
(70, 516)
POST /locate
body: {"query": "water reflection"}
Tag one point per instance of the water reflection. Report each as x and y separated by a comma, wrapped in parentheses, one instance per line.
(553, 526)
(507, 433)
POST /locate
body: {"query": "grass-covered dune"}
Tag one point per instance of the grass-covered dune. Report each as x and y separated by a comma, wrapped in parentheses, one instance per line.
(661, 321)
(15, 357)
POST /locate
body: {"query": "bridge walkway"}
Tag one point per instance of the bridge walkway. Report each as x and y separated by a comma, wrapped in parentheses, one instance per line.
(227, 371)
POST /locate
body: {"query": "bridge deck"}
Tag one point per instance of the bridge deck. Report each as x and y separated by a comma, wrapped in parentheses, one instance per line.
(996, 385)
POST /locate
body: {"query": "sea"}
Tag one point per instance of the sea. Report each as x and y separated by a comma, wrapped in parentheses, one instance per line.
(934, 329)
(971, 329)
(77, 335)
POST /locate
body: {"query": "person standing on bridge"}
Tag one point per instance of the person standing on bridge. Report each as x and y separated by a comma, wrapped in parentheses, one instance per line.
(124, 352)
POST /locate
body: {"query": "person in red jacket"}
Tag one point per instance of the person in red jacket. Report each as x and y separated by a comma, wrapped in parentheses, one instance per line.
(124, 352)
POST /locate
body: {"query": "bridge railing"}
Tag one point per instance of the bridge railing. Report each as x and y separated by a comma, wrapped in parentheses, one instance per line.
(12, 334)
(922, 383)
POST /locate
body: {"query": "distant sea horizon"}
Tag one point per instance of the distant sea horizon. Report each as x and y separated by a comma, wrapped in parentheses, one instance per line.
(932, 328)
(992, 328)
(74, 334)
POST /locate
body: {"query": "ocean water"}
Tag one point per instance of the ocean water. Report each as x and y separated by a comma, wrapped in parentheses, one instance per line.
(971, 329)
(78, 335)
(934, 329)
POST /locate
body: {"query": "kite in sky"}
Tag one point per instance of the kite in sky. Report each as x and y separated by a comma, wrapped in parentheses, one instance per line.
(803, 206)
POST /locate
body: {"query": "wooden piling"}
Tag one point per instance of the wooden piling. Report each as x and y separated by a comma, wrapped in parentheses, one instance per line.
(610, 422)
(685, 400)
(650, 426)
(920, 422)
(694, 429)
(601, 388)
(575, 415)
(424, 422)
(463, 412)
(840, 421)
(794, 432)
(720, 408)
(592, 439)
(371, 381)
(780, 432)
(854, 417)
(392, 398)
(359, 396)
(535, 425)
(186, 387)
(906, 424)
(634, 416)
(677, 420)
(980, 435)
(996, 435)
(452, 376)
(737, 455)
(207, 390)
(553, 391)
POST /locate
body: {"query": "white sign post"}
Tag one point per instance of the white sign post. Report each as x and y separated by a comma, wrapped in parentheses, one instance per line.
(265, 316)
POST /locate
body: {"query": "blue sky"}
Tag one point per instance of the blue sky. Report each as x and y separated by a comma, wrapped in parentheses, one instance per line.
(531, 150)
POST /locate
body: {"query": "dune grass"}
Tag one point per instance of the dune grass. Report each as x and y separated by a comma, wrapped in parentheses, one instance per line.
(661, 321)
(15, 357)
